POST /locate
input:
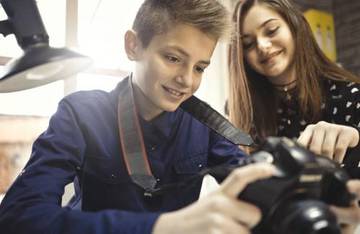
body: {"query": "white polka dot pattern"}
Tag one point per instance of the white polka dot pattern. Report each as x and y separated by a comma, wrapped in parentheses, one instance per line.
(341, 106)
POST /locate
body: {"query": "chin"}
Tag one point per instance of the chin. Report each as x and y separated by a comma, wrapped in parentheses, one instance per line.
(170, 108)
(274, 74)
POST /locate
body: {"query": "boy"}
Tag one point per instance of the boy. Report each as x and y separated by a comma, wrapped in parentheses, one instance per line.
(171, 44)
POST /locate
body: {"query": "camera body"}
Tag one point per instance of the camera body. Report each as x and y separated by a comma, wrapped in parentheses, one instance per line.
(296, 199)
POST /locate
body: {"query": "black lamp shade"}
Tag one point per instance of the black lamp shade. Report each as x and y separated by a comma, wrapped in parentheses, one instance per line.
(40, 65)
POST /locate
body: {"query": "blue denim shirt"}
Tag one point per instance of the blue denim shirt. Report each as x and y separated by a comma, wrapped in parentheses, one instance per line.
(82, 144)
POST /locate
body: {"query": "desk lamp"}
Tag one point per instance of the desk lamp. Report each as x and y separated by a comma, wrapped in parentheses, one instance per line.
(39, 64)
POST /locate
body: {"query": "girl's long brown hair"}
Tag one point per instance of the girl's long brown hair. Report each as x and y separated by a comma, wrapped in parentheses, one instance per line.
(252, 100)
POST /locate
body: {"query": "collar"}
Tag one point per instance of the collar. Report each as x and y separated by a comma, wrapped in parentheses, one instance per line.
(159, 127)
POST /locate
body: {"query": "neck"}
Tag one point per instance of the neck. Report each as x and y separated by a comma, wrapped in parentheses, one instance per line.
(285, 80)
(285, 87)
(146, 109)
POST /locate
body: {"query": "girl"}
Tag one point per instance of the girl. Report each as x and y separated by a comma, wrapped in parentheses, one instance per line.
(282, 84)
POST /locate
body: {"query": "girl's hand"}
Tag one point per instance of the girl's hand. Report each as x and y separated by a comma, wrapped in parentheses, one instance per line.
(330, 140)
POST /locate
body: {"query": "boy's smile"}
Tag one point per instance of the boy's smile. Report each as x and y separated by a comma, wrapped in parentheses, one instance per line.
(170, 69)
(174, 93)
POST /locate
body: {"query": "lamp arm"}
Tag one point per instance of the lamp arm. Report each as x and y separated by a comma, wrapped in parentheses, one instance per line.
(6, 28)
(29, 33)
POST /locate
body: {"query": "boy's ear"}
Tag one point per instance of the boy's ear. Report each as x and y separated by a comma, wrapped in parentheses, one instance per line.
(132, 45)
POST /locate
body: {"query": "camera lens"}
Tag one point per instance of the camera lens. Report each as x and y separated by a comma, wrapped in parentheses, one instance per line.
(304, 217)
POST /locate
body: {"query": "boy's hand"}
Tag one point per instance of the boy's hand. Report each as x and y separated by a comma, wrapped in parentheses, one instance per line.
(331, 140)
(221, 211)
(350, 216)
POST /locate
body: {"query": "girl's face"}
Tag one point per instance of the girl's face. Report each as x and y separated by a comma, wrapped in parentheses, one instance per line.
(268, 44)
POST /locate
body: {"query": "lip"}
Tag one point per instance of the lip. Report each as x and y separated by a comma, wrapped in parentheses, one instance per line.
(174, 92)
(268, 58)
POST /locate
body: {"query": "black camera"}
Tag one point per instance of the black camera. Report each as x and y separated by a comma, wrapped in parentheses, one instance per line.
(296, 200)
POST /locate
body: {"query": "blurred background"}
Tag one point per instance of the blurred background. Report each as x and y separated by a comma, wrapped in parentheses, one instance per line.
(96, 28)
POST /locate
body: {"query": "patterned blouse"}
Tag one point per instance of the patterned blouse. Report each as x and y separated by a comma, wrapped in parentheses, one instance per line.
(341, 106)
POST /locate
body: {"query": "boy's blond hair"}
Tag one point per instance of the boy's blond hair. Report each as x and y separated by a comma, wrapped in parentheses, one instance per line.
(158, 16)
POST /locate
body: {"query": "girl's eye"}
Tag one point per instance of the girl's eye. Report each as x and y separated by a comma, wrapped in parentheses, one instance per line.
(272, 31)
(172, 59)
(247, 45)
(199, 69)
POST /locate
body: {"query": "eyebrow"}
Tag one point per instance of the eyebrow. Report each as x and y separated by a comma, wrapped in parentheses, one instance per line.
(261, 25)
(267, 21)
(184, 53)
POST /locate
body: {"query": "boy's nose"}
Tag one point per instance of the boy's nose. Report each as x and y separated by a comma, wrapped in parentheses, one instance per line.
(185, 78)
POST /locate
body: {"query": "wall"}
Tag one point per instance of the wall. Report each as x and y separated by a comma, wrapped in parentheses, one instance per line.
(17, 134)
(347, 24)
(214, 84)
(347, 28)
(324, 5)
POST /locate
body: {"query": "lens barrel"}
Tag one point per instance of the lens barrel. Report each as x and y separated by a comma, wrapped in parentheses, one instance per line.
(304, 217)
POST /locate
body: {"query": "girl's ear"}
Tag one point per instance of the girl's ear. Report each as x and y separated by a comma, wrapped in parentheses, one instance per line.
(132, 45)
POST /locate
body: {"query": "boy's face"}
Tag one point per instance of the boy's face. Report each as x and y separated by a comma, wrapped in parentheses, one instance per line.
(170, 69)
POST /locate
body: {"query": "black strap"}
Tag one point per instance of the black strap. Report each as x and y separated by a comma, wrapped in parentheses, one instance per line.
(203, 112)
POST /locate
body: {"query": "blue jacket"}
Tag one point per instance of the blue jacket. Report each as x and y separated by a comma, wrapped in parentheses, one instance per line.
(82, 145)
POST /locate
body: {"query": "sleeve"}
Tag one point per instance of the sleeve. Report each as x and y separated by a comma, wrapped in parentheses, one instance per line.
(345, 105)
(346, 111)
(33, 203)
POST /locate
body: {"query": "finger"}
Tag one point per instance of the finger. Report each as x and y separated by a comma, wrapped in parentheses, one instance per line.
(349, 215)
(247, 214)
(317, 140)
(346, 215)
(353, 135)
(233, 208)
(306, 135)
(221, 224)
(241, 177)
(242, 230)
(348, 228)
(234, 228)
(354, 187)
(342, 144)
(328, 146)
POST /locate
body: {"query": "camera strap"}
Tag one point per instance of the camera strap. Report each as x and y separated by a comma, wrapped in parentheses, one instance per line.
(132, 141)
(133, 146)
(203, 112)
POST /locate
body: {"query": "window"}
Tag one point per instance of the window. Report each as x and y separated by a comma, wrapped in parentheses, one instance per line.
(102, 25)
(98, 29)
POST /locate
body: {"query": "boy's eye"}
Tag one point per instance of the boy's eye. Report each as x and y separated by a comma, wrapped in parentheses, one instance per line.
(172, 58)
